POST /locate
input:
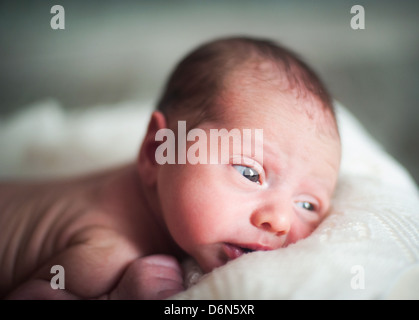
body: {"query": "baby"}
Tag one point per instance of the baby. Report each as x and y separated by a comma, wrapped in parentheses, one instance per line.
(120, 234)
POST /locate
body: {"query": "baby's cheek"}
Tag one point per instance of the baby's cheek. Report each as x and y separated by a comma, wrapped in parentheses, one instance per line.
(183, 213)
(300, 231)
(194, 205)
(195, 220)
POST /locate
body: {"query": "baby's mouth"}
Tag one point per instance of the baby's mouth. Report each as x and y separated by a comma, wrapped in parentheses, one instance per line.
(233, 251)
(247, 250)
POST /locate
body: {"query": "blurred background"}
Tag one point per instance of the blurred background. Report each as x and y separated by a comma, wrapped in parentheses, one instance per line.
(115, 51)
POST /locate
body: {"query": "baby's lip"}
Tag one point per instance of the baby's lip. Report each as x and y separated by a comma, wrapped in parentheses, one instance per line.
(233, 251)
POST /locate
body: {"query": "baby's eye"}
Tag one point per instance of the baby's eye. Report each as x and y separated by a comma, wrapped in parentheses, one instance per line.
(306, 205)
(248, 172)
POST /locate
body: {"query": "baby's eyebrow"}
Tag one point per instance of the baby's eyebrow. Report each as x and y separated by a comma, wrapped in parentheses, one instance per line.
(322, 188)
(255, 145)
(274, 156)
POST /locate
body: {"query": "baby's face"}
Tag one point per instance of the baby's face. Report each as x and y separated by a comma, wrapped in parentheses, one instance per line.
(217, 212)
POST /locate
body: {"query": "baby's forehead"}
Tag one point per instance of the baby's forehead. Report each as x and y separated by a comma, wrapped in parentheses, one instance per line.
(283, 121)
(261, 79)
(256, 97)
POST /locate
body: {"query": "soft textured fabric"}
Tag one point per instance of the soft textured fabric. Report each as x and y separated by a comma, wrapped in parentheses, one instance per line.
(367, 248)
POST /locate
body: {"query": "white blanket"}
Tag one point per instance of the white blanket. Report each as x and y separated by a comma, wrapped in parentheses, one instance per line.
(368, 248)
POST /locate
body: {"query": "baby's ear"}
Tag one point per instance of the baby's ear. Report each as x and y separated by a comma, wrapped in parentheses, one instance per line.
(147, 164)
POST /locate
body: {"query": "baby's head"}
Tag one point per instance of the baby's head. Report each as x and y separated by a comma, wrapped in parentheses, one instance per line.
(256, 200)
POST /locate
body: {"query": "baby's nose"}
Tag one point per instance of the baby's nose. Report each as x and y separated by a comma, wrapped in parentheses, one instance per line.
(272, 221)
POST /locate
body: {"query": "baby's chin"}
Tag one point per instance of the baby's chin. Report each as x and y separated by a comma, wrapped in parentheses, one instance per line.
(210, 260)
(213, 258)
